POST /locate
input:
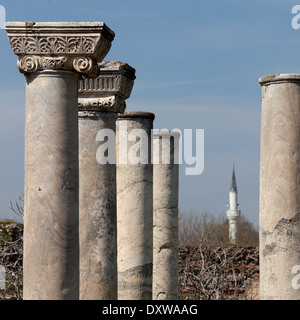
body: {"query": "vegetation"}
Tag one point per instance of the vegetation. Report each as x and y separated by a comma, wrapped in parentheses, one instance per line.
(211, 268)
(11, 253)
(205, 228)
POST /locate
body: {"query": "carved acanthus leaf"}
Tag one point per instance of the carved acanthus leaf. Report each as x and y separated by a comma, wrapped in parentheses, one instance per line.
(53, 44)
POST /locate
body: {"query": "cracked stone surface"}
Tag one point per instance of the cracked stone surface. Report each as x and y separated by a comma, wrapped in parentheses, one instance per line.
(280, 252)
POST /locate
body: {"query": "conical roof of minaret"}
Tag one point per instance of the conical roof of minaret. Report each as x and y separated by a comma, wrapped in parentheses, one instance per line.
(233, 182)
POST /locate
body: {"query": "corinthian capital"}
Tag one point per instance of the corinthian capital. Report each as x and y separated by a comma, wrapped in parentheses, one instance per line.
(109, 90)
(76, 46)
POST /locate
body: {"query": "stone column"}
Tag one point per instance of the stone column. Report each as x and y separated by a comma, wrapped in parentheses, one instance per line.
(134, 205)
(52, 56)
(279, 210)
(165, 215)
(100, 99)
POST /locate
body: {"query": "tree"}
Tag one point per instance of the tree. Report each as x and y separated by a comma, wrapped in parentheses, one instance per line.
(206, 228)
(11, 252)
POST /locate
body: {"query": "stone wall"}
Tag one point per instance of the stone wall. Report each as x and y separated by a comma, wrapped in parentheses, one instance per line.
(11, 258)
(218, 273)
(211, 272)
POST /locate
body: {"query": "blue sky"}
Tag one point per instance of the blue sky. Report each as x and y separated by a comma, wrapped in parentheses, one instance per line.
(197, 66)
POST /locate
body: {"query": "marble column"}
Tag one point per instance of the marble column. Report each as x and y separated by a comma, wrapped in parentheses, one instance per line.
(165, 215)
(53, 55)
(134, 205)
(279, 211)
(100, 99)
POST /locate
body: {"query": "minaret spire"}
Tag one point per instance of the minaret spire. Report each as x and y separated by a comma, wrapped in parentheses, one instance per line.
(233, 181)
(233, 213)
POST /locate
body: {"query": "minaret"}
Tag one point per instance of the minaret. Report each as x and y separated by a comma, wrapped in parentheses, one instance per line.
(233, 213)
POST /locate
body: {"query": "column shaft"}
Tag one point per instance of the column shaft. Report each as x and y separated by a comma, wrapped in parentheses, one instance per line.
(165, 215)
(98, 234)
(279, 186)
(135, 208)
(51, 257)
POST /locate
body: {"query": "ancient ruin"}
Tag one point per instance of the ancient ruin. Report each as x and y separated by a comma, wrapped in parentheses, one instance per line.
(101, 189)
(86, 222)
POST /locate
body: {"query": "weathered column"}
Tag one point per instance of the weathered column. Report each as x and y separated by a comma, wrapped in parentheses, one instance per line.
(165, 215)
(134, 205)
(279, 218)
(52, 56)
(100, 99)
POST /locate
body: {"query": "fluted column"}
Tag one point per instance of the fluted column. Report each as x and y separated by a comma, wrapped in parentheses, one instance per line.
(53, 55)
(100, 99)
(165, 215)
(279, 212)
(134, 205)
